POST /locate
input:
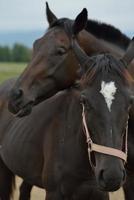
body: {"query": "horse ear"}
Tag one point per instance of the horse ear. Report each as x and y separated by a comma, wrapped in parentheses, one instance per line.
(129, 55)
(84, 60)
(50, 16)
(80, 22)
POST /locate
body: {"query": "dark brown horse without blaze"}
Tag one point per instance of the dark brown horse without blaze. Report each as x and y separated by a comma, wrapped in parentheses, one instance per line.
(54, 67)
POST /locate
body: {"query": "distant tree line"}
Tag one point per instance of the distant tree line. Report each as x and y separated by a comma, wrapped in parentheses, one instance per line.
(17, 53)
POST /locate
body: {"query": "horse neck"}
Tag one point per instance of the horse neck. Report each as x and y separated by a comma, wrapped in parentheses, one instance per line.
(108, 33)
(93, 45)
(131, 125)
(74, 112)
(130, 163)
(74, 129)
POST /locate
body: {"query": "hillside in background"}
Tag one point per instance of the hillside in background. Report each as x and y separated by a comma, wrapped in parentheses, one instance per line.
(27, 37)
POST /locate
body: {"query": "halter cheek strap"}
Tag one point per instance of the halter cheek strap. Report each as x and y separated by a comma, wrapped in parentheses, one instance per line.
(100, 148)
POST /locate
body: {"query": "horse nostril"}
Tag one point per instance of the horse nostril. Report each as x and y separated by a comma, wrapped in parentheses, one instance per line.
(101, 178)
(17, 93)
(124, 175)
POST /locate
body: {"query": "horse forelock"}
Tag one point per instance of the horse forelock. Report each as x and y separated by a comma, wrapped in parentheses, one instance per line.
(106, 65)
(65, 24)
(59, 22)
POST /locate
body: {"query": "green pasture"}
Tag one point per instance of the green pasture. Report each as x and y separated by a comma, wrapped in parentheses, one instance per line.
(9, 70)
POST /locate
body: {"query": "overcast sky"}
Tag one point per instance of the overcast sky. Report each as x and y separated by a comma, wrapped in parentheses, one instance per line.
(30, 14)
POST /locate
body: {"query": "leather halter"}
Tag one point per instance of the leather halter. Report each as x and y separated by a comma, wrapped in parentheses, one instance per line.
(100, 148)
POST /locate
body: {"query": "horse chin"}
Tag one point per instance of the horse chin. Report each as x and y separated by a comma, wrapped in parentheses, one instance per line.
(20, 111)
(13, 108)
(24, 111)
(111, 188)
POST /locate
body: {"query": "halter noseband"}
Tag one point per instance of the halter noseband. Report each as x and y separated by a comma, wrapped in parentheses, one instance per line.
(100, 148)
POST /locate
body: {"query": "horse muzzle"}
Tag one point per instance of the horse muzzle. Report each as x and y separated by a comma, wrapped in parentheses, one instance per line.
(18, 105)
(110, 173)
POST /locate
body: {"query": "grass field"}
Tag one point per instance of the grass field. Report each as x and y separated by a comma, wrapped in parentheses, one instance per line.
(9, 70)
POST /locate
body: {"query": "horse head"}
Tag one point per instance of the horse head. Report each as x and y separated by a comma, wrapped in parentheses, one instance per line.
(106, 98)
(53, 66)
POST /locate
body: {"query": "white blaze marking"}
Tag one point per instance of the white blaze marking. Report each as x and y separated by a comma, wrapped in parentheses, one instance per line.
(108, 90)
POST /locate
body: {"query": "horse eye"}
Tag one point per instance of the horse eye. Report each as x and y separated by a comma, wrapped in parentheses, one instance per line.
(61, 51)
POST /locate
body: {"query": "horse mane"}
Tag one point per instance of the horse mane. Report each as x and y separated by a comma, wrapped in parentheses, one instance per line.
(106, 64)
(100, 30)
(59, 22)
(108, 32)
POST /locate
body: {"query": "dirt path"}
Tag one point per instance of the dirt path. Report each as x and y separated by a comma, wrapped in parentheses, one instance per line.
(39, 194)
